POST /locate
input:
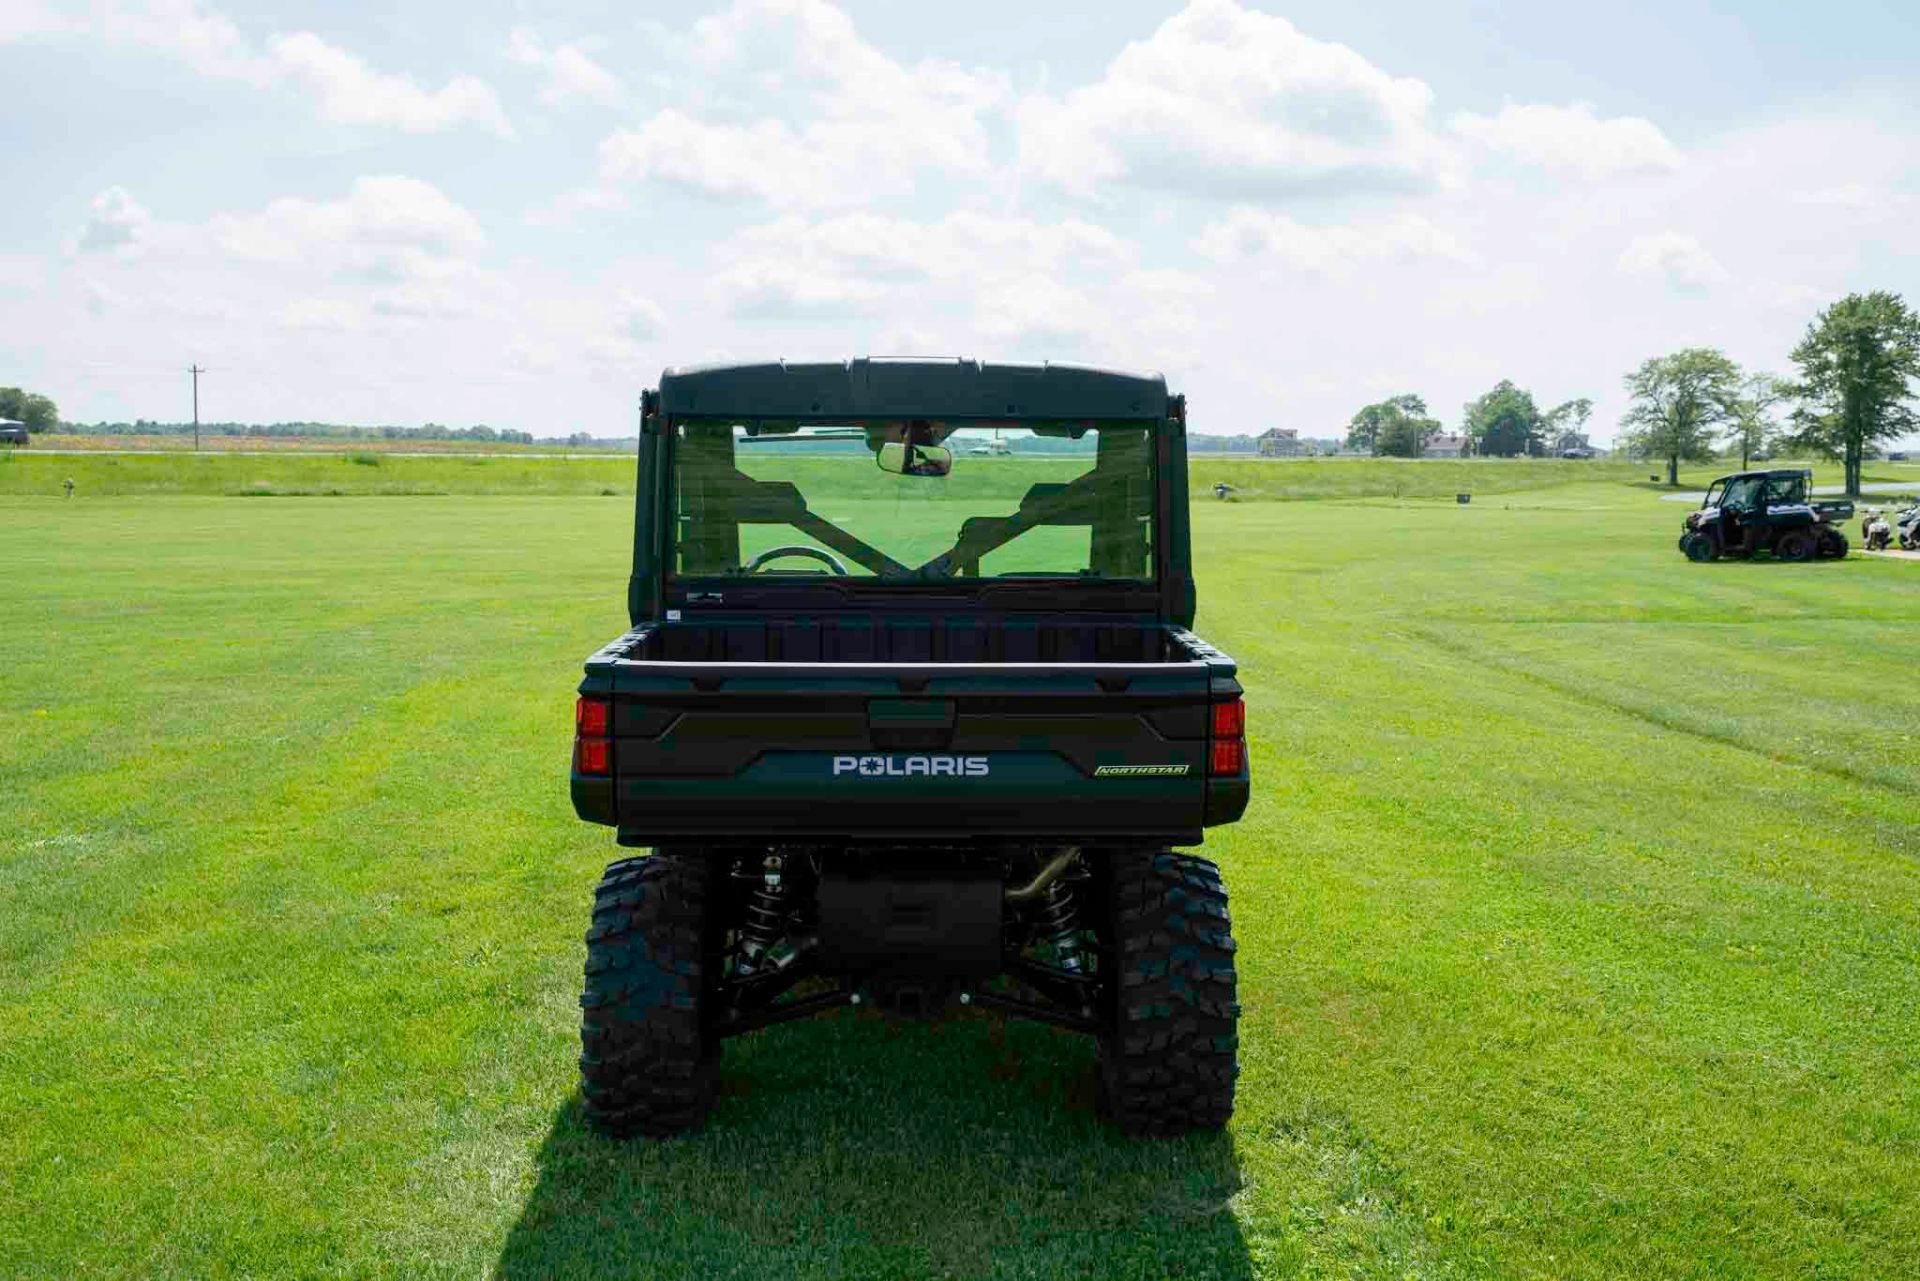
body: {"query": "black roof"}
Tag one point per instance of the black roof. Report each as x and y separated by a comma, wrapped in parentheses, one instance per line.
(868, 388)
(1777, 471)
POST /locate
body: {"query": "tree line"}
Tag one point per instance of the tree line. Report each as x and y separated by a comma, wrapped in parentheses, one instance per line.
(1855, 365)
(1504, 423)
(322, 431)
(1852, 394)
(38, 412)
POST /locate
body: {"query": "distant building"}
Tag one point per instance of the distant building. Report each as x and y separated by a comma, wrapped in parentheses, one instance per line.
(1279, 442)
(1445, 447)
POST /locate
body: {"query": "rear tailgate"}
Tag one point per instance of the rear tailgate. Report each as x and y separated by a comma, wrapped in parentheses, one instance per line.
(903, 751)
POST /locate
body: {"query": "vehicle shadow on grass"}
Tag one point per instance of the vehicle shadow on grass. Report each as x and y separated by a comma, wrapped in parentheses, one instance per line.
(853, 1147)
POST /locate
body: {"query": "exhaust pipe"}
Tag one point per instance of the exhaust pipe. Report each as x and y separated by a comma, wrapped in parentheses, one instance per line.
(1047, 875)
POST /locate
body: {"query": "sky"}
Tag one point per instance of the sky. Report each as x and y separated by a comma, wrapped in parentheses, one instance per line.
(517, 214)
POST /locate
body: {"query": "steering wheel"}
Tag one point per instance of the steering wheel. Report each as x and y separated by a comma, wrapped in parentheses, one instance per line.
(811, 553)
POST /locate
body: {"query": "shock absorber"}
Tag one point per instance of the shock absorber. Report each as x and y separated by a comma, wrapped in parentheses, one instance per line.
(1059, 923)
(766, 912)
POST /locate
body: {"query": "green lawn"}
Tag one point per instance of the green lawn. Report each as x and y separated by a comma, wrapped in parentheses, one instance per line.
(337, 474)
(1579, 909)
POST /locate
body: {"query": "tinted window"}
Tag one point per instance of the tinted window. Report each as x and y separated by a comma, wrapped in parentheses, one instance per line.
(1071, 501)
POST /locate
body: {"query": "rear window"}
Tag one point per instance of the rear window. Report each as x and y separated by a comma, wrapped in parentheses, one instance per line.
(768, 501)
(1786, 490)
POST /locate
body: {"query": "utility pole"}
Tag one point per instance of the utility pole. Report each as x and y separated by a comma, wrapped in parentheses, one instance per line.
(196, 371)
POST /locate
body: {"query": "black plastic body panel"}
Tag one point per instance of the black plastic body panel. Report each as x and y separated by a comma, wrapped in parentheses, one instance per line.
(911, 922)
(911, 389)
(926, 751)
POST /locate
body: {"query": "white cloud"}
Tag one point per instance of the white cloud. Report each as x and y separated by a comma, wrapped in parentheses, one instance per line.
(333, 315)
(22, 273)
(993, 277)
(1674, 258)
(768, 288)
(1227, 100)
(1571, 139)
(762, 159)
(852, 263)
(387, 277)
(1033, 307)
(102, 298)
(391, 246)
(564, 208)
(641, 319)
(571, 75)
(379, 217)
(207, 41)
(350, 91)
(1248, 234)
(850, 123)
(116, 223)
(343, 86)
(21, 19)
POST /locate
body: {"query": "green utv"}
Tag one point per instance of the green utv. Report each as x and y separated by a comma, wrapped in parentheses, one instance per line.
(1764, 511)
(905, 726)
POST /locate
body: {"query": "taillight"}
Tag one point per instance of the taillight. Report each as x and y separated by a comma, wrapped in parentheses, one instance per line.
(590, 717)
(590, 756)
(592, 747)
(1228, 754)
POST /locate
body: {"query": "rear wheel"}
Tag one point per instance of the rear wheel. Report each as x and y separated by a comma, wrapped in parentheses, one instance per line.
(1170, 1020)
(649, 1061)
(1833, 544)
(1795, 544)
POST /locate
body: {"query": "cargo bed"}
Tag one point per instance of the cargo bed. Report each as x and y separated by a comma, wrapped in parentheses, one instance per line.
(896, 639)
(885, 729)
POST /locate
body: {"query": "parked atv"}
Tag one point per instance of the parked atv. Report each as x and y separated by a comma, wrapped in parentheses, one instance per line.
(1906, 528)
(1875, 533)
(1752, 512)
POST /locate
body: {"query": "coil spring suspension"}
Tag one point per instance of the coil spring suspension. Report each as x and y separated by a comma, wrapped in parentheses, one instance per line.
(766, 910)
(1059, 922)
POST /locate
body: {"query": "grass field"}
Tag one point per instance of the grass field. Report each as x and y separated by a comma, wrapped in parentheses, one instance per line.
(1579, 909)
(210, 443)
(353, 472)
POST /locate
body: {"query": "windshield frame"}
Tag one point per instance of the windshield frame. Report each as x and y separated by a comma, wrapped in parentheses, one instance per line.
(983, 532)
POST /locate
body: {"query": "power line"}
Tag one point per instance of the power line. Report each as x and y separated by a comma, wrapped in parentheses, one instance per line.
(196, 371)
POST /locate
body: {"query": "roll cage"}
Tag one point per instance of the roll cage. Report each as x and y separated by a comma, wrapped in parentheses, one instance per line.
(965, 392)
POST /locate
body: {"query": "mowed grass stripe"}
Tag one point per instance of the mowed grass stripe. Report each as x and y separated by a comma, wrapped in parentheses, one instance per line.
(1857, 741)
(197, 674)
(299, 988)
(287, 892)
(1459, 832)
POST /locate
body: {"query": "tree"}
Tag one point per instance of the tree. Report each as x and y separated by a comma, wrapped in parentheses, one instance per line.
(1505, 422)
(1855, 365)
(1751, 425)
(1398, 426)
(1566, 425)
(1678, 401)
(37, 412)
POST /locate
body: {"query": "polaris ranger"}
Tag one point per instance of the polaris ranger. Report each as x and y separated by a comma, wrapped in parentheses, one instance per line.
(908, 730)
(1752, 512)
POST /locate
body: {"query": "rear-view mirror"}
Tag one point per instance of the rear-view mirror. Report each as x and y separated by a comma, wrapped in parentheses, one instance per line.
(914, 460)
